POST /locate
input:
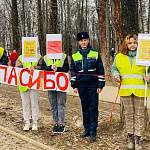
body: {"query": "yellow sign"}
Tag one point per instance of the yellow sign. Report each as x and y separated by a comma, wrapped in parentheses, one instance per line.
(29, 48)
(144, 49)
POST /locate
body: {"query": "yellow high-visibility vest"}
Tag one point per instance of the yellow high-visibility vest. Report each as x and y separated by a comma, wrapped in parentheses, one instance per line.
(26, 65)
(57, 62)
(92, 54)
(132, 77)
(1, 52)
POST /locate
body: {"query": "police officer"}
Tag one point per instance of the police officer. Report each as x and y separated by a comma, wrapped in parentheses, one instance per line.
(87, 79)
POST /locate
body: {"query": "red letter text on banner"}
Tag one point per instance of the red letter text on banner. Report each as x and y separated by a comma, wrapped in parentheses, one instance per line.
(21, 76)
(48, 80)
(4, 74)
(36, 81)
(65, 81)
(12, 75)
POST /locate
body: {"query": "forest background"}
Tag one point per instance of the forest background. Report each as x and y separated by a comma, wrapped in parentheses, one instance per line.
(107, 21)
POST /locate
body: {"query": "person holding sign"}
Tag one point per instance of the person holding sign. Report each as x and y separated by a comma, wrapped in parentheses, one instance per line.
(87, 79)
(29, 96)
(131, 78)
(57, 99)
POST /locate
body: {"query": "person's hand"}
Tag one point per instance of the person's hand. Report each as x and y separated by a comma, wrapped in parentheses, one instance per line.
(54, 67)
(117, 78)
(99, 90)
(75, 90)
(147, 78)
(9, 62)
(31, 68)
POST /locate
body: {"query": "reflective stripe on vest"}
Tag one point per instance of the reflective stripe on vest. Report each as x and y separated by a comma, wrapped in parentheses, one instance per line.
(80, 71)
(56, 62)
(132, 77)
(92, 69)
(132, 87)
(73, 78)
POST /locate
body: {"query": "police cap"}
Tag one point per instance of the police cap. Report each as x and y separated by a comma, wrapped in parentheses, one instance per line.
(82, 35)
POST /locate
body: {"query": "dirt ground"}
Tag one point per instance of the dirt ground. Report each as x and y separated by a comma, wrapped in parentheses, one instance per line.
(109, 136)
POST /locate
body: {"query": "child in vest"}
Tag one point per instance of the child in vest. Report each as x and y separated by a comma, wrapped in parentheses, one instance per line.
(29, 96)
(57, 99)
(132, 79)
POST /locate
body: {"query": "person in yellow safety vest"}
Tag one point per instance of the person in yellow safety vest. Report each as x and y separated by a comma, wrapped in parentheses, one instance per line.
(57, 99)
(132, 79)
(29, 96)
(3, 57)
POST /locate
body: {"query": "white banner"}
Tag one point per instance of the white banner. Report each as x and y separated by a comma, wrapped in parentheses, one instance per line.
(34, 79)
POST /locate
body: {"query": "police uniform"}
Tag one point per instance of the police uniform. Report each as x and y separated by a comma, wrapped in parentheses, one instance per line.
(87, 74)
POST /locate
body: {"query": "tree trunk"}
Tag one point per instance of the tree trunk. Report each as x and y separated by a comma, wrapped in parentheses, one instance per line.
(117, 18)
(102, 24)
(130, 16)
(86, 16)
(141, 16)
(53, 17)
(23, 19)
(81, 16)
(69, 45)
(40, 30)
(107, 53)
(15, 28)
(148, 27)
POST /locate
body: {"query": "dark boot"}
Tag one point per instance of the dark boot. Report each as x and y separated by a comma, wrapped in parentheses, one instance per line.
(84, 134)
(92, 139)
(138, 143)
(130, 142)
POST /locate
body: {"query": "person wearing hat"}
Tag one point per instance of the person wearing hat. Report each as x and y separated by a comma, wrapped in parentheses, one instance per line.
(87, 79)
(3, 57)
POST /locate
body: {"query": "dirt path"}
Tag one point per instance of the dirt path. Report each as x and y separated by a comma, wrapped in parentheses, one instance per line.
(109, 137)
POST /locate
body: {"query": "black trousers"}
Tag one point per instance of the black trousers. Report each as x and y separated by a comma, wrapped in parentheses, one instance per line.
(89, 102)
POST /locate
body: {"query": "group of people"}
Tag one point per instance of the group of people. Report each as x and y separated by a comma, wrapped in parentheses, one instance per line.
(88, 79)
(8, 59)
